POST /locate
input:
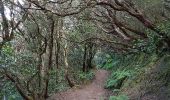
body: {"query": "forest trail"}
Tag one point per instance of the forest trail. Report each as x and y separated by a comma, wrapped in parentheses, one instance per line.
(92, 91)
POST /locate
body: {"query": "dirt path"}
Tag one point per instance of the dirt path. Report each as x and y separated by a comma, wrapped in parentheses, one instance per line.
(93, 91)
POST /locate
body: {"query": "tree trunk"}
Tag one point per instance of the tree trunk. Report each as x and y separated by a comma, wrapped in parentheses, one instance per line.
(90, 58)
(70, 83)
(39, 70)
(84, 59)
(50, 53)
(57, 51)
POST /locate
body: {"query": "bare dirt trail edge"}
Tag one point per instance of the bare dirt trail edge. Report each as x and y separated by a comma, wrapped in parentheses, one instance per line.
(93, 91)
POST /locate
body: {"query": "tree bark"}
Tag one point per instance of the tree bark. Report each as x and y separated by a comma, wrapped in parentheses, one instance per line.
(50, 50)
(84, 59)
(89, 61)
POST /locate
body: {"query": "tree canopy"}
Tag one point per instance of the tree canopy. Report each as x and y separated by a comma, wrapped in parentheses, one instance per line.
(44, 44)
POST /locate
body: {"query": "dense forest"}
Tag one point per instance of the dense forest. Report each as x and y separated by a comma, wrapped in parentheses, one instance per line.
(85, 49)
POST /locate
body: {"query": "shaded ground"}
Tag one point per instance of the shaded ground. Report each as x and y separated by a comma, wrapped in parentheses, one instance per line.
(93, 91)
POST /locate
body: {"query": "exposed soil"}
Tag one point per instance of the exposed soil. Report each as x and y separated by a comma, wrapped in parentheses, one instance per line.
(92, 91)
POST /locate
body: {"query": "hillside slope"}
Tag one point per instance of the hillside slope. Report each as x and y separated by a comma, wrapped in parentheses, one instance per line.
(152, 83)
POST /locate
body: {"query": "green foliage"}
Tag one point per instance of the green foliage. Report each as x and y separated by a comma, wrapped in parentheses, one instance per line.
(57, 85)
(106, 61)
(122, 67)
(7, 88)
(120, 97)
(89, 75)
(76, 76)
(10, 92)
(127, 67)
(110, 63)
(148, 46)
(165, 27)
(126, 71)
(150, 79)
(154, 43)
(7, 49)
(6, 56)
(117, 77)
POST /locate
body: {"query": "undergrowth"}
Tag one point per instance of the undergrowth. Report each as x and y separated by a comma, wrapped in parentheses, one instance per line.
(120, 97)
(125, 68)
